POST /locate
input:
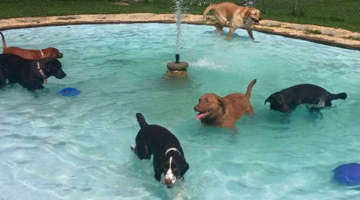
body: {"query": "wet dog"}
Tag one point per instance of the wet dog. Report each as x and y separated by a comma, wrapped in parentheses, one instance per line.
(28, 73)
(168, 156)
(31, 54)
(234, 16)
(224, 111)
(288, 99)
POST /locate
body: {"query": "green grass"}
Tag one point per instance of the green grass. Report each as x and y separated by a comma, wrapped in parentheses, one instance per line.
(335, 13)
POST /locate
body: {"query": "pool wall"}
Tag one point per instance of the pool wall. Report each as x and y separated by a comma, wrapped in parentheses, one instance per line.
(324, 35)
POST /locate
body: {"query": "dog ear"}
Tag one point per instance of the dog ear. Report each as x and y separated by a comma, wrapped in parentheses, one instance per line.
(273, 98)
(221, 103)
(286, 106)
(184, 169)
(247, 13)
(269, 99)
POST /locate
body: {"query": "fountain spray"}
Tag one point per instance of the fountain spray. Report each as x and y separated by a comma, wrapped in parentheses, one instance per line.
(177, 68)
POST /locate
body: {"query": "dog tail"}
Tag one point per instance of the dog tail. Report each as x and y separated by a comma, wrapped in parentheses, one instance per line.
(3, 41)
(249, 88)
(342, 95)
(141, 120)
(210, 7)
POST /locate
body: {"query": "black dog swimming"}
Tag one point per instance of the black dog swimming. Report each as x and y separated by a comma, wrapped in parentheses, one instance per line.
(168, 156)
(288, 99)
(28, 73)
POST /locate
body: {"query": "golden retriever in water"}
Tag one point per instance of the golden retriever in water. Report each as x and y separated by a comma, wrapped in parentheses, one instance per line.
(234, 16)
(224, 111)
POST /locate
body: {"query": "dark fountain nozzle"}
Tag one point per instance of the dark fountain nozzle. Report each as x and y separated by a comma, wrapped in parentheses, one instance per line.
(177, 58)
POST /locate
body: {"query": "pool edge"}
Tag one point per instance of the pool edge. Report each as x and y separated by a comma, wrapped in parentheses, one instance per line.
(319, 34)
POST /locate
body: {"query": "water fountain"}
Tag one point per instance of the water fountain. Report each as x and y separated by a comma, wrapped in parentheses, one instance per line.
(177, 68)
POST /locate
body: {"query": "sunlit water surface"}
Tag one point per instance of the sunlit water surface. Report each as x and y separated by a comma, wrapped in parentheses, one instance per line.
(55, 147)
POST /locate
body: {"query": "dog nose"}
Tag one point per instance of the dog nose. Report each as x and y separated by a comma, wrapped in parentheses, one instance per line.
(169, 183)
(60, 55)
(196, 108)
(61, 76)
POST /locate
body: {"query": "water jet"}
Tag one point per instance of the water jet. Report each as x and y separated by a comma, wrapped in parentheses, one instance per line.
(177, 69)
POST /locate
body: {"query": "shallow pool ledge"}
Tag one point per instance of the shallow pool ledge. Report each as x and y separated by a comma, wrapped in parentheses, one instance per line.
(325, 35)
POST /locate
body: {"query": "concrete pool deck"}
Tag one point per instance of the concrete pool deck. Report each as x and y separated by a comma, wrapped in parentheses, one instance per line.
(319, 34)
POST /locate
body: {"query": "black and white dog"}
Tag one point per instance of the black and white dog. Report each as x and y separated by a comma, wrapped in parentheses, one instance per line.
(30, 74)
(168, 156)
(288, 99)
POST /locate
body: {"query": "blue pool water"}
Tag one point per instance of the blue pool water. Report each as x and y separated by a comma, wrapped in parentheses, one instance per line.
(56, 147)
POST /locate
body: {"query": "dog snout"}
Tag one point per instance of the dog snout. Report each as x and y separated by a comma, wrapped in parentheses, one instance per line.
(169, 183)
(60, 55)
(196, 108)
(60, 75)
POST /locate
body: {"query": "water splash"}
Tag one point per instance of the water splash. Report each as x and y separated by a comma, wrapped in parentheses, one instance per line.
(178, 8)
(208, 64)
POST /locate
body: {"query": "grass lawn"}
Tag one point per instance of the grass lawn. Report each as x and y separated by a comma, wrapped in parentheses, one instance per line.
(335, 13)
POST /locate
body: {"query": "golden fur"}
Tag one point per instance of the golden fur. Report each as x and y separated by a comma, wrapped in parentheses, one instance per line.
(234, 16)
(30, 54)
(224, 111)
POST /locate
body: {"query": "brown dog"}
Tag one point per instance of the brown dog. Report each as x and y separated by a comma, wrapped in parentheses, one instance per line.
(224, 111)
(30, 54)
(234, 16)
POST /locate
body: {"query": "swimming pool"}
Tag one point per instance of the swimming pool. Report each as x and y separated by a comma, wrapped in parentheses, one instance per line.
(54, 147)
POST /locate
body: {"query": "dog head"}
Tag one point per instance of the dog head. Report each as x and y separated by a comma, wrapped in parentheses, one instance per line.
(52, 67)
(277, 102)
(52, 52)
(210, 106)
(254, 14)
(174, 167)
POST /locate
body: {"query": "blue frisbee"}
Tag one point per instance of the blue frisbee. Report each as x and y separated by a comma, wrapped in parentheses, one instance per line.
(69, 92)
(348, 174)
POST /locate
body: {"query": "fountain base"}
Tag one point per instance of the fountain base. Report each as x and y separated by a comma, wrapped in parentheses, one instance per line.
(177, 69)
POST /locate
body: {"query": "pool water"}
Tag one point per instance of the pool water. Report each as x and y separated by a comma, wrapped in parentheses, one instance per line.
(55, 147)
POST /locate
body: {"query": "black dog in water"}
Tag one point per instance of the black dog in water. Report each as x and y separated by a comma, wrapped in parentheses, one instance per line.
(168, 156)
(28, 73)
(288, 99)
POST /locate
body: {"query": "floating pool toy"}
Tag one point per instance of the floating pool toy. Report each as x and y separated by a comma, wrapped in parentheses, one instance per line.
(69, 92)
(348, 174)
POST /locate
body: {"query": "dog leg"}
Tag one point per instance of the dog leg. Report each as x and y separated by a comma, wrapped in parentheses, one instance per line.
(314, 109)
(250, 111)
(315, 112)
(250, 34)
(142, 150)
(157, 171)
(231, 31)
(2, 80)
(219, 28)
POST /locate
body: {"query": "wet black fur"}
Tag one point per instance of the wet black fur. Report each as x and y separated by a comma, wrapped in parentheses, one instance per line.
(288, 99)
(15, 69)
(155, 140)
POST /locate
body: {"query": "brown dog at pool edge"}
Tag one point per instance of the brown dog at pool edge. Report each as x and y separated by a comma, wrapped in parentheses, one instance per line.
(234, 16)
(224, 111)
(30, 54)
